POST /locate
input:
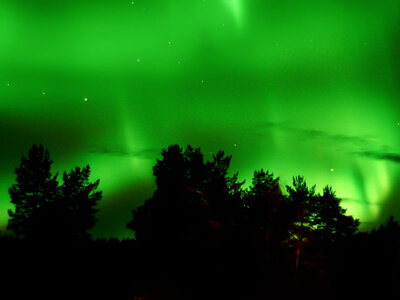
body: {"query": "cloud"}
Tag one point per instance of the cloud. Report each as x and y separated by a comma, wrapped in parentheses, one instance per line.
(364, 141)
(393, 157)
(366, 145)
(144, 153)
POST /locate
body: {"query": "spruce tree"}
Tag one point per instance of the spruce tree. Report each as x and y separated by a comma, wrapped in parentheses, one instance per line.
(35, 187)
(46, 211)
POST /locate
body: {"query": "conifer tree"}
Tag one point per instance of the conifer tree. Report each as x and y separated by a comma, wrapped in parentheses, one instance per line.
(34, 188)
(46, 211)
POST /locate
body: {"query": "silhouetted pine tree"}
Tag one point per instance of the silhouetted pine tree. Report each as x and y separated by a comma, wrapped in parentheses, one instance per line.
(46, 211)
(35, 188)
(267, 212)
(190, 218)
(301, 198)
(192, 197)
(78, 198)
(329, 218)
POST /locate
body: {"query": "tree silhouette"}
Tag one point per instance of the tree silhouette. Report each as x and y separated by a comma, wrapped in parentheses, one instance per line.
(168, 215)
(267, 212)
(191, 217)
(192, 196)
(76, 204)
(301, 198)
(44, 210)
(329, 218)
(265, 231)
(35, 187)
(199, 232)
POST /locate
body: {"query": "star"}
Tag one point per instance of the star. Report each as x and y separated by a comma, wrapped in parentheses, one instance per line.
(86, 99)
(179, 62)
(234, 145)
(44, 93)
(138, 60)
(202, 81)
(332, 170)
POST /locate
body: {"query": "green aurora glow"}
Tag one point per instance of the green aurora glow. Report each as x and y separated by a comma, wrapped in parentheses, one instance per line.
(295, 87)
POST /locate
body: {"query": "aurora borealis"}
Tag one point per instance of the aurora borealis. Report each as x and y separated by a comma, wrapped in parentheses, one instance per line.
(296, 87)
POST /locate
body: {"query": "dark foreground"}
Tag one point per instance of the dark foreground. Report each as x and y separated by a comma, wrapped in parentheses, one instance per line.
(125, 270)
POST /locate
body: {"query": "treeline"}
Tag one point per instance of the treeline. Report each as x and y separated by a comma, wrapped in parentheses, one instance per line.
(200, 236)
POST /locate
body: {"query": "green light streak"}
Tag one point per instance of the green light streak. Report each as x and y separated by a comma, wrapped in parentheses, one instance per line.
(236, 7)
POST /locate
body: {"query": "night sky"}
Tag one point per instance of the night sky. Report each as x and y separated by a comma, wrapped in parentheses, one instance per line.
(296, 87)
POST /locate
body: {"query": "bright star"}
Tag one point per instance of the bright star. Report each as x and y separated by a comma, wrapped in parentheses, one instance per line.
(86, 99)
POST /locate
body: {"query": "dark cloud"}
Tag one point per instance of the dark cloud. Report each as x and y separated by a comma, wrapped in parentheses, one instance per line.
(145, 153)
(361, 145)
(393, 157)
(360, 142)
(319, 134)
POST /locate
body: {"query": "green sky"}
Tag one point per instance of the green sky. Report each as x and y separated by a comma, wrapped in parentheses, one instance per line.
(295, 87)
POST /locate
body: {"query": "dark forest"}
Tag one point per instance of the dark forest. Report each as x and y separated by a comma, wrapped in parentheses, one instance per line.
(200, 236)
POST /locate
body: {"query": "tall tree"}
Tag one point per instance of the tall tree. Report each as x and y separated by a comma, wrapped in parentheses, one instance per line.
(330, 219)
(301, 197)
(191, 194)
(191, 218)
(165, 216)
(79, 197)
(46, 211)
(34, 188)
(266, 210)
